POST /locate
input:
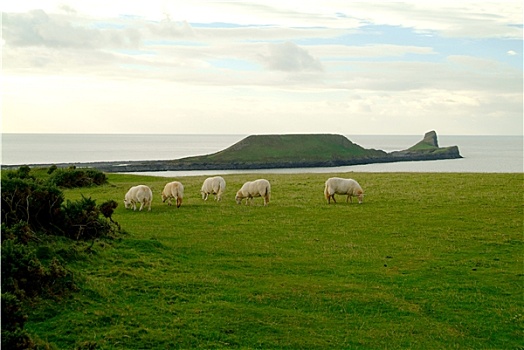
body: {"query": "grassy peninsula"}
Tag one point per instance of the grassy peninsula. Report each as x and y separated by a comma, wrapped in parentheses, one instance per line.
(285, 151)
(429, 261)
(293, 151)
(291, 148)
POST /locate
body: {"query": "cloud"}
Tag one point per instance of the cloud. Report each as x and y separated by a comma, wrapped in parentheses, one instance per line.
(289, 57)
(37, 28)
(413, 65)
(344, 52)
(466, 19)
(169, 29)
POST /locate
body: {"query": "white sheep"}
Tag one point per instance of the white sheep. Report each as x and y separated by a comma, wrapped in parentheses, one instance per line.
(349, 187)
(173, 190)
(138, 194)
(213, 185)
(257, 188)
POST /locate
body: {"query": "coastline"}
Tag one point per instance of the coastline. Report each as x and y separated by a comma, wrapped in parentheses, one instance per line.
(190, 163)
(290, 151)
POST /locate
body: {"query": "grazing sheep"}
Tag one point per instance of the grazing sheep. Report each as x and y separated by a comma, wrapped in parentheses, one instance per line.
(173, 190)
(213, 185)
(138, 194)
(349, 187)
(257, 188)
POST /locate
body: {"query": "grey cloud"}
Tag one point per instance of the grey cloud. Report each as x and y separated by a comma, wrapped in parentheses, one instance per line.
(290, 57)
(172, 29)
(37, 28)
(67, 9)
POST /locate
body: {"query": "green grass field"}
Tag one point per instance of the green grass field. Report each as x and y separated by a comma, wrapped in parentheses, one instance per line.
(429, 261)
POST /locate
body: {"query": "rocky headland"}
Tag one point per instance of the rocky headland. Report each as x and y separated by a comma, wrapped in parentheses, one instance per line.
(285, 151)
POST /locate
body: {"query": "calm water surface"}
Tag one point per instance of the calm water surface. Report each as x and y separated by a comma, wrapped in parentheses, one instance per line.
(481, 153)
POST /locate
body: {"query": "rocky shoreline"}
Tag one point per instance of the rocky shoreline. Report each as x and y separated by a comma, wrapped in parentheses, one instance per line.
(170, 165)
(427, 149)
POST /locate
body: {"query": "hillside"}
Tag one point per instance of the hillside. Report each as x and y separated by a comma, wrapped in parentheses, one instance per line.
(290, 149)
(309, 150)
(286, 151)
(427, 149)
(429, 142)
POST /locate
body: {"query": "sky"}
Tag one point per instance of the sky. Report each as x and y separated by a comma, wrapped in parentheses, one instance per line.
(262, 67)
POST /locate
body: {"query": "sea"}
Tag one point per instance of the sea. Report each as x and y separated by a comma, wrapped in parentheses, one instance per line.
(481, 154)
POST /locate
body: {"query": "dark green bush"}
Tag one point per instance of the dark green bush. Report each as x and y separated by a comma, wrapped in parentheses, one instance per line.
(13, 319)
(40, 207)
(20, 233)
(82, 220)
(26, 200)
(98, 177)
(52, 169)
(24, 172)
(25, 276)
(107, 208)
(72, 177)
(33, 215)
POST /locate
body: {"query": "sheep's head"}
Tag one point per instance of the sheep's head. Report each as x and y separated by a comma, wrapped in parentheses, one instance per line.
(360, 196)
(238, 197)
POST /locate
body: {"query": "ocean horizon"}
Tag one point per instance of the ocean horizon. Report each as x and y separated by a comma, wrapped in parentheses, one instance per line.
(480, 153)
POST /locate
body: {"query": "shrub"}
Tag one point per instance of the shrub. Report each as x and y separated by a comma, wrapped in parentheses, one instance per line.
(32, 212)
(98, 177)
(107, 208)
(20, 233)
(52, 169)
(24, 275)
(13, 319)
(72, 177)
(82, 220)
(24, 172)
(26, 200)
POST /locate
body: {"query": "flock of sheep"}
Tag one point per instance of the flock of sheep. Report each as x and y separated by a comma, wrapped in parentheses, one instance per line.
(216, 185)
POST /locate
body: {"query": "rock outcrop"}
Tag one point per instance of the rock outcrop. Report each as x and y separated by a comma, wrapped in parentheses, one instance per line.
(427, 149)
(429, 140)
(286, 151)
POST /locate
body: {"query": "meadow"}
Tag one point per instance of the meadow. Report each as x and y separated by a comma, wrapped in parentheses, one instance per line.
(428, 261)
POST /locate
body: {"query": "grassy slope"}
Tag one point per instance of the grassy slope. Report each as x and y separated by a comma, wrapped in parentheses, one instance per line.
(422, 146)
(290, 148)
(429, 261)
(428, 144)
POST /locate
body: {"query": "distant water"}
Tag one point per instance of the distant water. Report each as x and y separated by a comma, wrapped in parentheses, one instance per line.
(481, 153)
(74, 148)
